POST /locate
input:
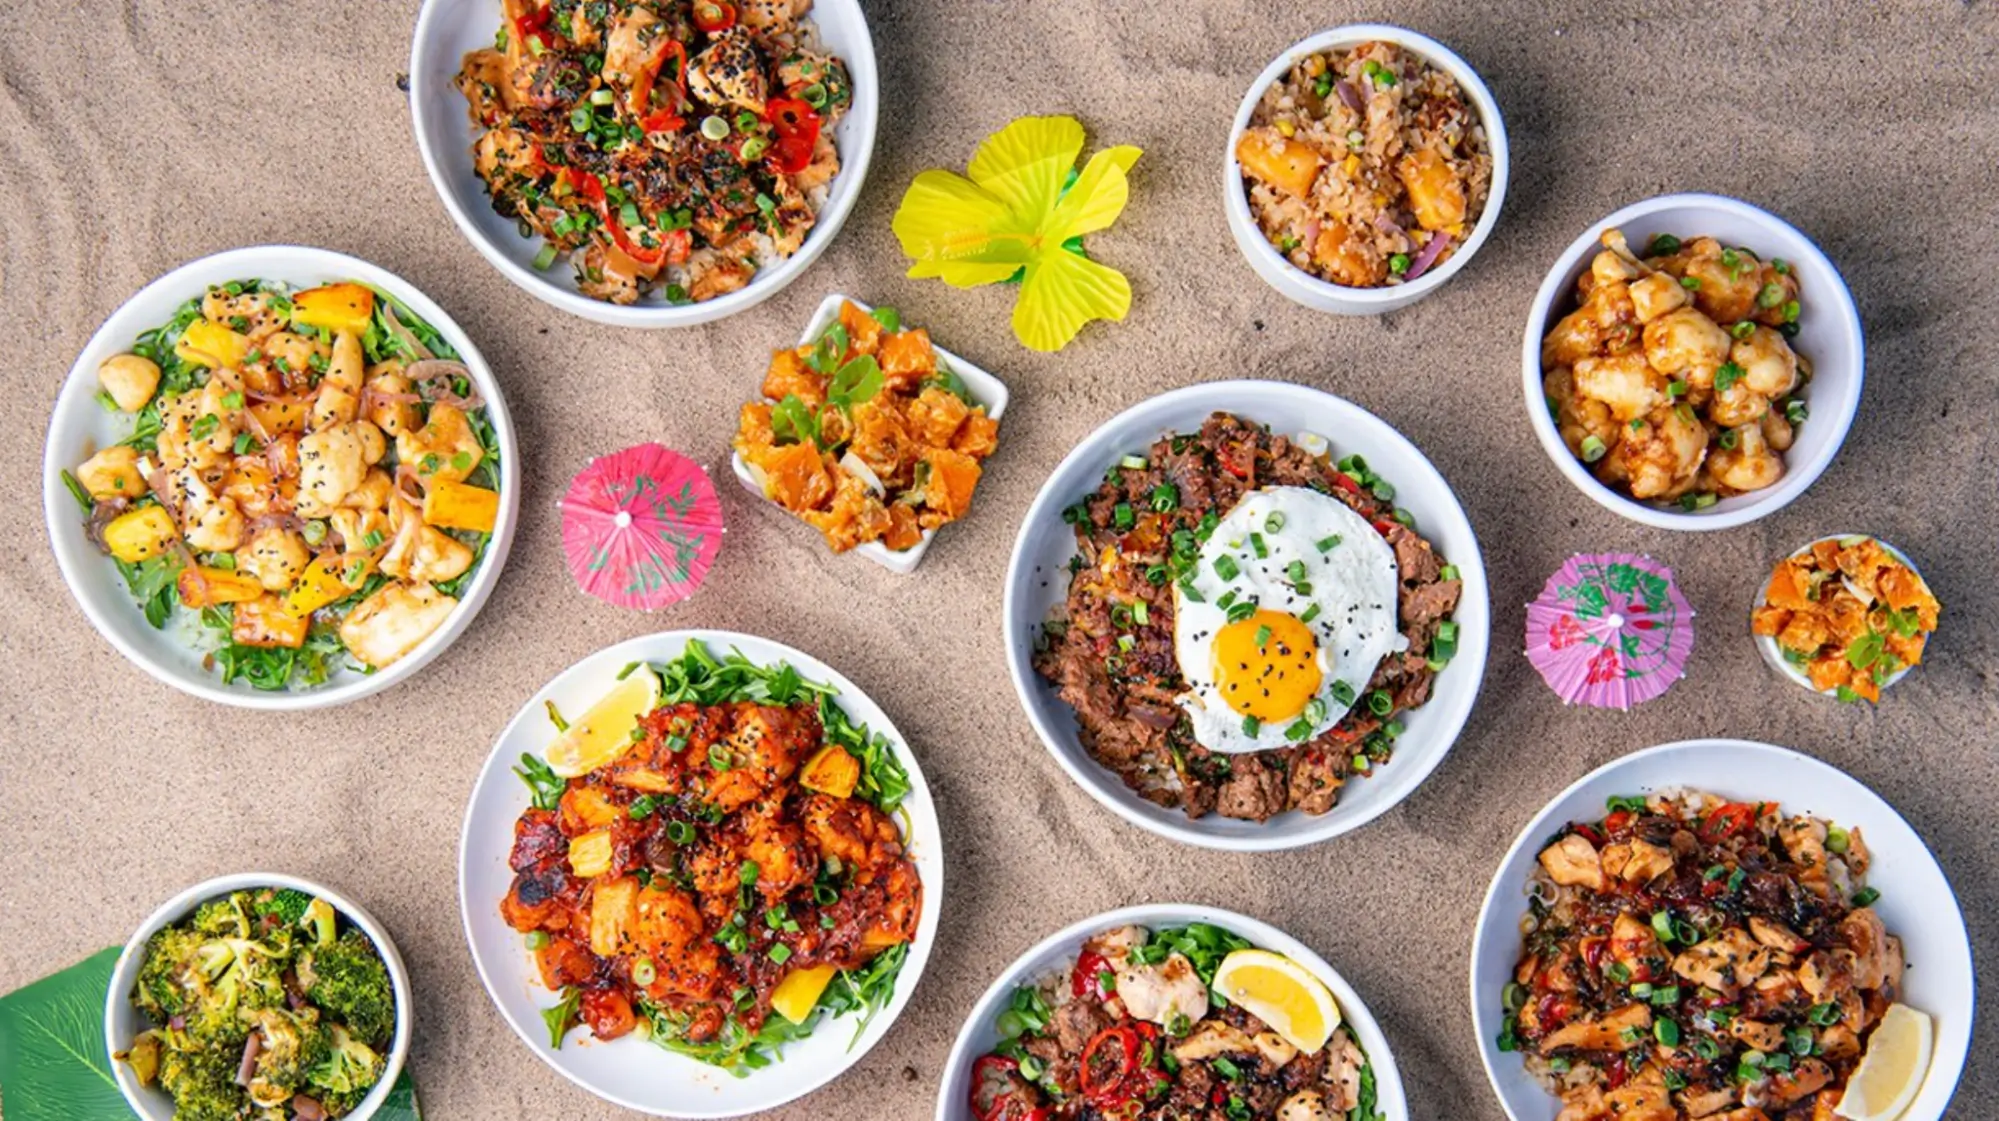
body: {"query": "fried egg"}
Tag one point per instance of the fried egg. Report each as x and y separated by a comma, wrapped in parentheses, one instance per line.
(1283, 620)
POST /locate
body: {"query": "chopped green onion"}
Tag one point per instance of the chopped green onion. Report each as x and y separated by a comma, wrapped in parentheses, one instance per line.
(1226, 567)
(1770, 295)
(1593, 449)
(545, 258)
(1328, 544)
(1310, 614)
(1398, 264)
(1251, 725)
(1257, 546)
(714, 128)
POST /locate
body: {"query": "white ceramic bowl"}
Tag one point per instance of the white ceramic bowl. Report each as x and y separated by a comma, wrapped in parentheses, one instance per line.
(632, 1072)
(123, 1021)
(1773, 655)
(1302, 287)
(80, 427)
(1057, 953)
(1035, 587)
(1828, 334)
(447, 29)
(985, 389)
(1916, 901)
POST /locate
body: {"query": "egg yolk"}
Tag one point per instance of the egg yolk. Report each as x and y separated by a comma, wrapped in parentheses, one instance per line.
(1267, 665)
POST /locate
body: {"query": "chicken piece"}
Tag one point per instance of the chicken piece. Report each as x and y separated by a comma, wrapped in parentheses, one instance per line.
(1769, 367)
(1634, 946)
(339, 397)
(1893, 964)
(1603, 1033)
(1342, 1075)
(420, 553)
(729, 73)
(1212, 1038)
(1827, 975)
(1661, 457)
(667, 927)
(1776, 935)
(630, 43)
(1768, 1038)
(274, 556)
(856, 515)
(711, 274)
(1778, 1089)
(1803, 839)
(294, 356)
(1162, 992)
(764, 746)
(1646, 862)
(1683, 341)
(1699, 1103)
(1305, 1105)
(1610, 266)
(1724, 963)
(1657, 295)
(1626, 383)
(1643, 1098)
(444, 448)
(1837, 1043)
(331, 463)
(373, 494)
(1115, 945)
(389, 624)
(1751, 464)
(211, 522)
(251, 314)
(1864, 934)
(936, 415)
(883, 440)
(608, 274)
(824, 166)
(785, 861)
(1583, 1103)
(851, 831)
(1275, 1049)
(771, 16)
(1573, 861)
(112, 473)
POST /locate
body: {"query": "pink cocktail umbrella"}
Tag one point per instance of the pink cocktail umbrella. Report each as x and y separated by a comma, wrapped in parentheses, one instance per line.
(641, 527)
(1610, 630)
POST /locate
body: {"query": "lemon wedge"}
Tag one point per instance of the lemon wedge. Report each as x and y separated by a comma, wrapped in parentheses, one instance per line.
(603, 734)
(1892, 1070)
(1281, 993)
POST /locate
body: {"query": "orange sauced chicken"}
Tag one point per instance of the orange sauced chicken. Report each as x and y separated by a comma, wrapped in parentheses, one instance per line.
(866, 434)
(1849, 613)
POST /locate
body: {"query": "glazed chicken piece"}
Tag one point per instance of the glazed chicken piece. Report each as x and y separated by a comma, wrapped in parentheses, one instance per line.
(1725, 963)
(1634, 945)
(1573, 861)
(1162, 992)
(851, 831)
(729, 73)
(1602, 1033)
(762, 750)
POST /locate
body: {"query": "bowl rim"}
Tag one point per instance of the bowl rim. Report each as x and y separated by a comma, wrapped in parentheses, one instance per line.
(1767, 646)
(1263, 935)
(273, 262)
(183, 904)
(643, 646)
(989, 389)
(1235, 197)
(856, 157)
(1098, 781)
(1798, 477)
(1536, 829)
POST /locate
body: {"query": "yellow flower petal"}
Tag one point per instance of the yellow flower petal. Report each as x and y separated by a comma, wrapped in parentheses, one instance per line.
(1061, 293)
(946, 215)
(1097, 197)
(1025, 163)
(963, 274)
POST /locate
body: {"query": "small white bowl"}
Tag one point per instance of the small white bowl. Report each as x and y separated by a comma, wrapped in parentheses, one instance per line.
(80, 427)
(1828, 334)
(1302, 287)
(123, 1021)
(447, 29)
(1916, 903)
(1057, 951)
(986, 389)
(1773, 655)
(632, 1072)
(1035, 587)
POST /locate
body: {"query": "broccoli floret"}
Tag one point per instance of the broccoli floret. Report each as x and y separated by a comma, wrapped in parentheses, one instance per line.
(231, 977)
(350, 1069)
(159, 992)
(349, 981)
(203, 1085)
(228, 917)
(284, 904)
(293, 1044)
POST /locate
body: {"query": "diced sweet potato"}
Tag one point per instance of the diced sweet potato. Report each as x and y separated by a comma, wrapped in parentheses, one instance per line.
(978, 437)
(1288, 165)
(788, 375)
(265, 622)
(1830, 672)
(864, 331)
(906, 359)
(1435, 193)
(753, 428)
(203, 586)
(1789, 584)
(795, 476)
(953, 475)
(1769, 621)
(855, 517)
(935, 416)
(903, 531)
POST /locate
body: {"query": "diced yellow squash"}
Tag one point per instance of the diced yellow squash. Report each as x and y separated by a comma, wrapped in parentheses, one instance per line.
(590, 854)
(832, 772)
(613, 912)
(208, 343)
(450, 505)
(799, 992)
(322, 582)
(336, 307)
(1288, 165)
(265, 622)
(141, 534)
(206, 586)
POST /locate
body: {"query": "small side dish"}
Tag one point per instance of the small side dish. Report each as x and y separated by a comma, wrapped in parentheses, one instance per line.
(711, 861)
(1245, 620)
(265, 1003)
(669, 149)
(866, 433)
(310, 479)
(1674, 376)
(1182, 1022)
(1848, 614)
(1688, 956)
(1366, 166)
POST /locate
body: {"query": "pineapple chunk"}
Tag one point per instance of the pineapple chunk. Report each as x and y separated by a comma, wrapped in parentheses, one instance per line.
(141, 534)
(336, 307)
(1288, 165)
(590, 854)
(458, 506)
(208, 343)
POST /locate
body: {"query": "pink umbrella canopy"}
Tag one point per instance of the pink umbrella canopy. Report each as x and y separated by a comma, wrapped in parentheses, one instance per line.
(641, 527)
(1610, 630)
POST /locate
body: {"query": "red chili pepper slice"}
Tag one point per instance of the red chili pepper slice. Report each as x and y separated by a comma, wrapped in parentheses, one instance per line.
(1087, 978)
(533, 27)
(1588, 833)
(1342, 481)
(795, 129)
(1384, 526)
(995, 1070)
(1109, 1061)
(640, 102)
(1726, 822)
(1618, 821)
(712, 16)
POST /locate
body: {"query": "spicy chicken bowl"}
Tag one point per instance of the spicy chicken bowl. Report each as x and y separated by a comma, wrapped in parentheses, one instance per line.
(1247, 615)
(280, 478)
(1721, 929)
(700, 874)
(1170, 1011)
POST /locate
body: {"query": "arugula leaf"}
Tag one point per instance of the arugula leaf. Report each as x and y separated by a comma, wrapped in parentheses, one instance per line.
(544, 785)
(52, 1061)
(857, 381)
(792, 421)
(151, 582)
(561, 1017)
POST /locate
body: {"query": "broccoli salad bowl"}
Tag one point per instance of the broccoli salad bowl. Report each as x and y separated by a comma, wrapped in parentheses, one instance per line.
(258, 994)
(280, 478)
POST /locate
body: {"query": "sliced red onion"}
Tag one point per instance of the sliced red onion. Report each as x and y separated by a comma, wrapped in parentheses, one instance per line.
(177, 1023)
(248, 1066)
(102, 515)
(307, 1109)
(1438, 243)
(1311, 233)
(406, 473)
(433, 378)
(1154, 716)
(1350, 95)
(1388, 225)
(274, 521)
(157, 480)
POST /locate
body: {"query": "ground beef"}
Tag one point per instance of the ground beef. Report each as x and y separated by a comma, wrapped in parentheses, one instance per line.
(1122, 691)
(1076, 1023)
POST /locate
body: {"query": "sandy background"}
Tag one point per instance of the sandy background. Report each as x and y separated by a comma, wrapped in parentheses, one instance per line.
(137, 136)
